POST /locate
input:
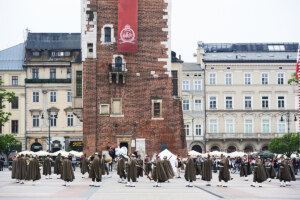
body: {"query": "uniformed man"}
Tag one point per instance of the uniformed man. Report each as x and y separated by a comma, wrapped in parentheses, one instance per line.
(140, 164)
(47, 167)
(158, 173)
(224, 173)
(96, 171)
(190, 171)
(21, 169)
(283, 174)
(148, 165)
(207, 170)
(121, 169)
(245, 168)
(291, 170)
(14, 169)
(33, 172)
(178, 166)
(168, 168)
(270, 171)
(198, 165)
(67, 173)
(131, 169)
(259, 174)
(84, 166)
(57, 166)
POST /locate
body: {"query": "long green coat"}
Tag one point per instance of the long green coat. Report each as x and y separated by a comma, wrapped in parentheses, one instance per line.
(67, 173)
(284, 171)
(131, 170)
(140, 171)
(148, 165)
(121, 168)
(190, 170)
(47, 167)
(96, 169)
(14, 168)
(270, 171)
(245, 168)
(33, 172)
(224, 174)
(168, 169)
(57, 165)
(207, 170)
(21, 169)
(158, 172)
(259, 174)
(84, 166)
(198, 167)
(291, 167)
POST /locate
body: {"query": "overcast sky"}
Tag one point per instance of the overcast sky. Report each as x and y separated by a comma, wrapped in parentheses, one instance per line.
(192, 21)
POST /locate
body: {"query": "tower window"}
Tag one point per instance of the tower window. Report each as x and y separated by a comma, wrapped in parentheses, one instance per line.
(107, 31)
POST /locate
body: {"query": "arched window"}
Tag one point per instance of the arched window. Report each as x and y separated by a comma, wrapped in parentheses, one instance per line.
(248, 149)
(197, 148)
(107, 32)
(118, 64)
(214, 148)
(231, 149)
(36, 147)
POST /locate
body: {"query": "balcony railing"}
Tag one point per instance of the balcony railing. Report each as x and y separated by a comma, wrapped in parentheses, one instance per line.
(48, 81)
(118, 67)
(224, 136)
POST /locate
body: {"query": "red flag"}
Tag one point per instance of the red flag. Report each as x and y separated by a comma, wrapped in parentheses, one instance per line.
(297, 68)
(127, 25)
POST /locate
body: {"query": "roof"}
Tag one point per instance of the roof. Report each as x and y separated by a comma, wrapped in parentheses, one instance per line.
(12, 59)
(191, 67)
(53, 41)
(249, 52)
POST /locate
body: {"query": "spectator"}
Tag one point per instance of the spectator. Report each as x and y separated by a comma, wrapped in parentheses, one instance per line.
(275, 164)
(2, 160)
(74, 162)
(295, 165)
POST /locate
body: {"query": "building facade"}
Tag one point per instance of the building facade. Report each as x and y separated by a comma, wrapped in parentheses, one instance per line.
(13, 76)
(127, 96)
(249, 100)
(48, 62)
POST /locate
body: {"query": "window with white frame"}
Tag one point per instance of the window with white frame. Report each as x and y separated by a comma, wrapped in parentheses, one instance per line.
(212, 102)
(266, 126)
(185, 85)
(228, 102)
(265, 78)
(186, 104)
(52, 97)
(69, 73)
(281, 102)
(35, 97)
(281, 126)
(187, 129)
(248, 126)
(70, 120)
(198, 129)
(228, 78)
(213, 126)
(265, 102)
(280, 78)
(53, 120)
(69, 96)
(229, 126)
(198, 104)
(197, 85)
(35, 120)
(107, 34)
(104, 109)
(248, 102)
(212, 79)
(247, 79)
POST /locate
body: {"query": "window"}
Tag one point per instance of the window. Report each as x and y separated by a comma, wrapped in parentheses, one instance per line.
(228, 102)
(280, 79)
(36, 53)
(69, 73)
(198, 104)
(116, 107)
(104, 109)
(265, 79)
(35, 97)
(70, 120)
(213, 126)
(276, 47)
(198, 129)
(35, 73)
(15, 80)
(186, 104)
(212, 102)
(281, 103)
(281, 126)
(35, 120)
(53, 120)
(52, 73)
(53, 53)
(248, 102)
(229, 126)
(53, 97)
(266, 126)
(14, 126)
(265, 102)
(187, 129)
(228, 79)
(248, 126)
(247, 79)
(197, 85)
(69, 96)
(90, 50)
(185, 85)
(79, 83)
(15, 103)
(61, 54)
(157, 109)
(67, 53)
(212, 79)
(174, 83)
(107, 31)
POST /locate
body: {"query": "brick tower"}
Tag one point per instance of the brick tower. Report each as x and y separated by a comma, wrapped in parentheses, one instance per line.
(127, 83)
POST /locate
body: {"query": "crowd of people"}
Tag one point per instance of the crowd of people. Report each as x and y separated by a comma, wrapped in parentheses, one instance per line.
(130, 169)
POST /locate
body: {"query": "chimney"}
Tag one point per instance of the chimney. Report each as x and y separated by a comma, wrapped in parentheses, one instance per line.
(179, 57)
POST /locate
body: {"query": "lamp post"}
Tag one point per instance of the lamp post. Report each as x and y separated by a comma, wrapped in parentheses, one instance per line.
(49, 125)
(288, 114)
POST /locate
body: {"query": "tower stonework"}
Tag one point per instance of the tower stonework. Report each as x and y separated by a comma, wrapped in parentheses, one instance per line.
(127, 96)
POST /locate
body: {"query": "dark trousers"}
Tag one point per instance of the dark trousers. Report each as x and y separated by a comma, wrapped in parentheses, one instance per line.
(1, 167)
(110, 165)
(93, 179)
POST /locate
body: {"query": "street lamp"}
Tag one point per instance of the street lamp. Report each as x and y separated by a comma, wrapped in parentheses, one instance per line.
(288, 119)
(49, 124)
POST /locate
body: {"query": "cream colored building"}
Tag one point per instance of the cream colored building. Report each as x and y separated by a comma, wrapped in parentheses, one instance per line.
(48, 61)
(13, 75)
(249, 100)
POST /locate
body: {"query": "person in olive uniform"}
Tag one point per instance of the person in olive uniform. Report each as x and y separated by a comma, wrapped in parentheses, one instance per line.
(47, 167)
(207, 170)
(259, 174)
(67, 173)
(121, 169)
(131, 171)
(224, 173)
(245, 168)
(190, 171)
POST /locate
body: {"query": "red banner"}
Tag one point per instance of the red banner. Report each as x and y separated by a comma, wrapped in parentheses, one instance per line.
(127, 25)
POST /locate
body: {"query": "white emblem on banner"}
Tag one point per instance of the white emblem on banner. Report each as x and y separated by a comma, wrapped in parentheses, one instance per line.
(127, 35)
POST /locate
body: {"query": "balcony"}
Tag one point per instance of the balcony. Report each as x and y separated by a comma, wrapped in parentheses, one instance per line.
(241, 136)
(117, 73)
(48, 80)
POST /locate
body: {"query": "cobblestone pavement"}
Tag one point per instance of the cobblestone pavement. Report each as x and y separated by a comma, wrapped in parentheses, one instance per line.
(144, 190)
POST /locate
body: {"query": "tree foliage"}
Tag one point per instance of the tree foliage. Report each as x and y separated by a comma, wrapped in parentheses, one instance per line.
(5, 97)
(8, 143)
(287, 144)
(293, 79)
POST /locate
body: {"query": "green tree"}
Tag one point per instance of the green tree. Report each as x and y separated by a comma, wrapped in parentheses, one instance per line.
(293, 79)
(5, 96)
(8, 143)
(287, 144)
